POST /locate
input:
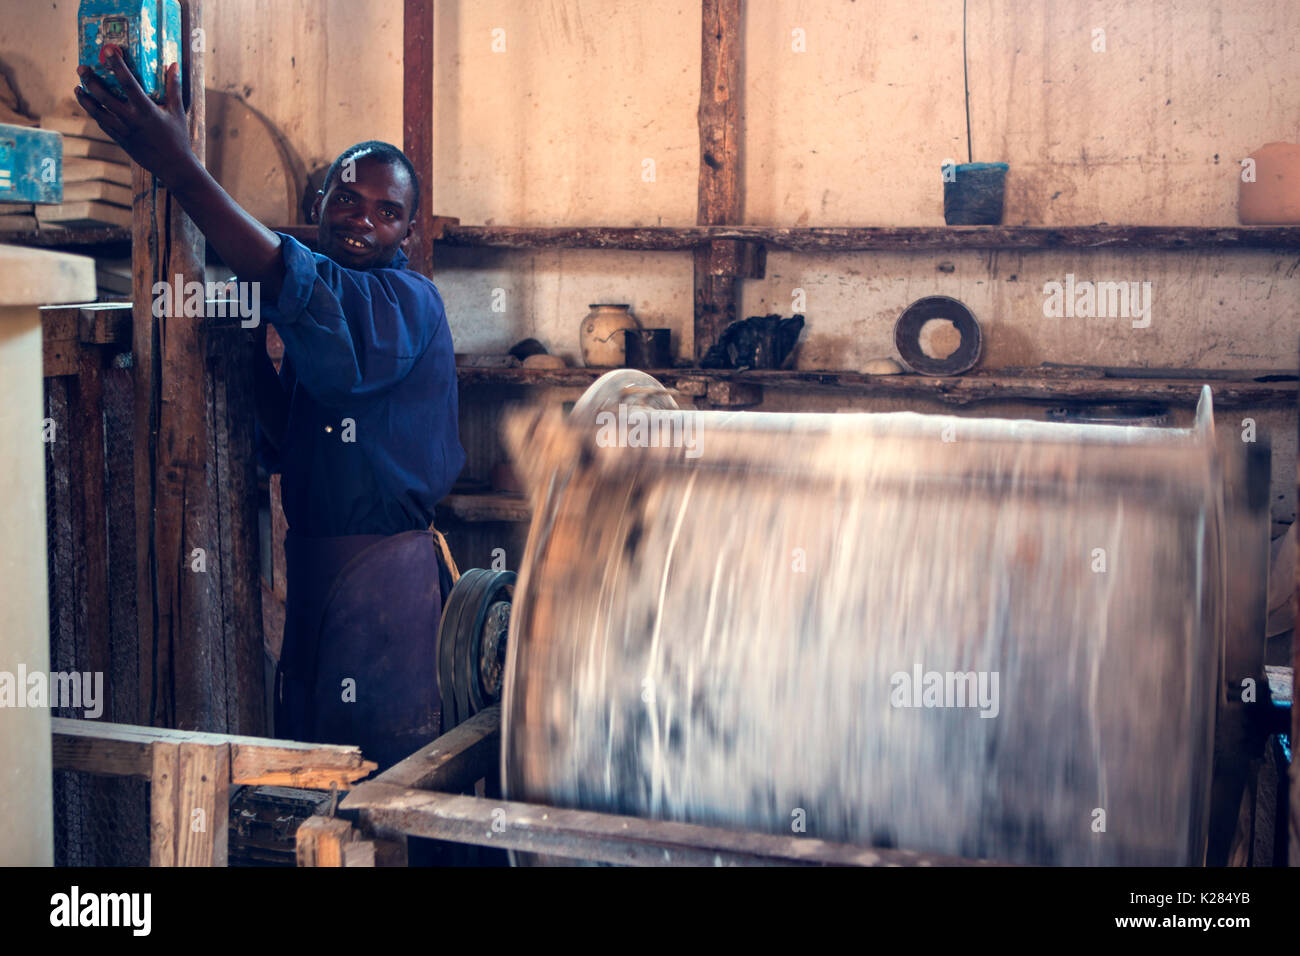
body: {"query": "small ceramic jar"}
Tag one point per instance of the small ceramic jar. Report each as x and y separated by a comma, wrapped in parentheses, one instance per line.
(601, 335)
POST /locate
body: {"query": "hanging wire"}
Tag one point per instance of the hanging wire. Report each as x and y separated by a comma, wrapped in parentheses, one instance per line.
(965, 76)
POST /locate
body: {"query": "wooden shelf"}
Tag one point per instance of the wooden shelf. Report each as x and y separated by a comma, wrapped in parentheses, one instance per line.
(70, 238)
(1033, 385)
(879, 238)
(828, 239)
(487, 506)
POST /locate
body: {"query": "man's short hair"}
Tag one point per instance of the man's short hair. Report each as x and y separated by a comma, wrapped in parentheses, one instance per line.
(386, 153)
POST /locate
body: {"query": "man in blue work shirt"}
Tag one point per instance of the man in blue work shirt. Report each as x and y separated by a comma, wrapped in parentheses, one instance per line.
(362, 423)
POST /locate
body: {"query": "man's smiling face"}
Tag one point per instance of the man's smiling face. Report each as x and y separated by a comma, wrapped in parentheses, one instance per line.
(365, 214)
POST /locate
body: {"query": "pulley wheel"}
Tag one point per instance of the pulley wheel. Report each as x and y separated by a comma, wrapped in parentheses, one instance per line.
(477, 606)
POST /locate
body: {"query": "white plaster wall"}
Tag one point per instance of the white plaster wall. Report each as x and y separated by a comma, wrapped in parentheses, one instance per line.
(554, 128)
(547, 110)
(852, 301)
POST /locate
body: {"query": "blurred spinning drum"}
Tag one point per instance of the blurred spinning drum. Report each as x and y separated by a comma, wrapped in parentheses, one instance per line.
(978, 638)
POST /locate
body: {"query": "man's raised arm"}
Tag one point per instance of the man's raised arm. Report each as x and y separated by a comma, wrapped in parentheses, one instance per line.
(158, 139)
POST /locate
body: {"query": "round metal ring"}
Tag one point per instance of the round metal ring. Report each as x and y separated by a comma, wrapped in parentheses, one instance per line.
(907, 336)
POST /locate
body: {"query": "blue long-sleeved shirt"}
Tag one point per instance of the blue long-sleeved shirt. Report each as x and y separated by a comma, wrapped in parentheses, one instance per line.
(371, 443)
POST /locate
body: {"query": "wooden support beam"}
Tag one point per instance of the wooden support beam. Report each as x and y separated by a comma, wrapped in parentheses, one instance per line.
(607, 838)
(190, 776)
(171, 436)
(189, 804)
(86, 413)
(198, 614)
(105, 323)
(60, 342)
(488, 507)
(730, 394)
(203, 805)
(127, 750)
(719, 186)
(958, 391)
(832, 239)
(1293, 818)
(326, 842)
(164, 774)
(464, 754)
(737, 259)
(417, 120)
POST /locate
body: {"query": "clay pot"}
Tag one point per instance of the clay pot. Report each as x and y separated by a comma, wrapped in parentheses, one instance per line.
(1274, 197)
(601, 335)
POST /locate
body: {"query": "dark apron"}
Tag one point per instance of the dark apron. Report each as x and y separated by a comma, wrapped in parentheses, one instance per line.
(358, 664)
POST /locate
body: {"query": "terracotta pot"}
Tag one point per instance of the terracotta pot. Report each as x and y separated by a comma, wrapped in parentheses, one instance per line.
(601, 335)
(1274, 197)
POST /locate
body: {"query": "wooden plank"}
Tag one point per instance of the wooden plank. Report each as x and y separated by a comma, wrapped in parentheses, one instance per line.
(719, 196)
(112, 758)
(123, 750)
(731, 394)
(313, 769)
(879, 238)
(810, 239)
(144, 334)
(1293, 817)
(607, 838)
(1031, 385)
(175, 633)
(488, 507)
(202, 804)
(238, 621)
(321, 841)
(417, 120)
(164, 781)
(452, 762)
(106, 324)
(273, 604)
(739, 259)
(86, 411)
(60, 341)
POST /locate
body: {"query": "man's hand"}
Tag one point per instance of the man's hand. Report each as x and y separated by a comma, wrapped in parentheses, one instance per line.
(157, 138)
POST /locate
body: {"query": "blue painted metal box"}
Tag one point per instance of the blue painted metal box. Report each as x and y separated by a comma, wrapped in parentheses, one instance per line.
(31, 165)
(148, 31)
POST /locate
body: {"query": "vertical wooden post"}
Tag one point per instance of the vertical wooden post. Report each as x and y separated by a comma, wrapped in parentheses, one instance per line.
(171, 436)
(1293, 818)
(189, 804)
(719, 188)
(323, 842)
(87, 410)
(417, 120)
(162, 803)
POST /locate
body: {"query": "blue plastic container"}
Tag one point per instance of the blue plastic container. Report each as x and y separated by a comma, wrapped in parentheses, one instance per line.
(148, 31)
(973, 194)
(31, 165)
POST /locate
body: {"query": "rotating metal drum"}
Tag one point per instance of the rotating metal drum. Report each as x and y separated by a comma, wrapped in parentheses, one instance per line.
(979, 638)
